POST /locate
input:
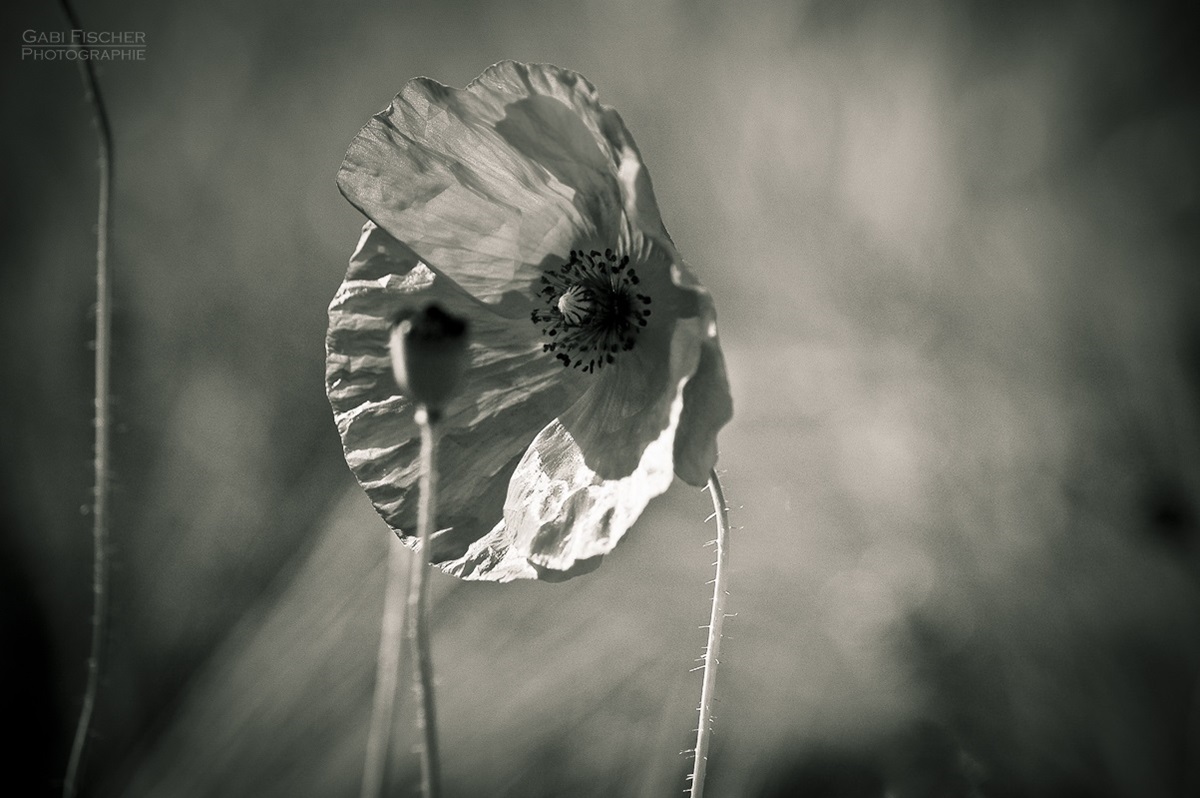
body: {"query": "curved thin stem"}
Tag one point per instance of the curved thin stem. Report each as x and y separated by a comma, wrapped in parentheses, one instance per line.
(102, 414)
(712, 651)
(418, 605)
(387, 675)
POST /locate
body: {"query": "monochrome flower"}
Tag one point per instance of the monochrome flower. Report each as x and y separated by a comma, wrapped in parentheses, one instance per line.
(594, 373)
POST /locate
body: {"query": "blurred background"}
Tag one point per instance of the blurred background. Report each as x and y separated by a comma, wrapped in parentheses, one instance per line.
(953, 248)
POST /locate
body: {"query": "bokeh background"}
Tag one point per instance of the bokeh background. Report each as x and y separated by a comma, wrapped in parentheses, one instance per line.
(954, 250)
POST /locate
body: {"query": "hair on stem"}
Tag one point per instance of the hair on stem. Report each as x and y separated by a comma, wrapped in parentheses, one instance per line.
(102, 419)
(712, 648)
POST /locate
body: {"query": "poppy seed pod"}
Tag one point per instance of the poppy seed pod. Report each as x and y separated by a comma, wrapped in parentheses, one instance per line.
(429, 354)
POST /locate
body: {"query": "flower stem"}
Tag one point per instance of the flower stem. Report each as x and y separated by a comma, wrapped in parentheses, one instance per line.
(418, 604)
(712, 650)
(387, 673)
(103, 362)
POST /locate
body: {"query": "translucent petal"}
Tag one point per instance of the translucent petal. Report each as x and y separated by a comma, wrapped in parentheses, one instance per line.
(512, 391)
(494, 183)
(707, 406)
(561, 513)
(589, 474)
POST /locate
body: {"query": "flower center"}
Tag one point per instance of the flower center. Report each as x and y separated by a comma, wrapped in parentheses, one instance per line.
(576, 305)
(592, 309)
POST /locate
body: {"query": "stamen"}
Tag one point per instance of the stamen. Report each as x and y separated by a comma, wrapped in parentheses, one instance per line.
(590, 311)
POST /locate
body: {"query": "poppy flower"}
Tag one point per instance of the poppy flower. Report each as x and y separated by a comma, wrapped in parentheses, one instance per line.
(594, 370)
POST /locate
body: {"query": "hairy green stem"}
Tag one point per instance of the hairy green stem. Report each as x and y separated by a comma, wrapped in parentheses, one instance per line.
(712, 650)
(418, 604)
(103, 362)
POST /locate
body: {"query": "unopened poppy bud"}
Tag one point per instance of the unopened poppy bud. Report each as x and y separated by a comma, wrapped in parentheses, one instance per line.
(429, 354)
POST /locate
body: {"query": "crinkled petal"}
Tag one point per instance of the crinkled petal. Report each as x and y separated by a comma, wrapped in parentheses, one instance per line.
(494, 183)
(511, 392)
(590, 473)
(560, 509)
(562, 514)
(615, 421)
